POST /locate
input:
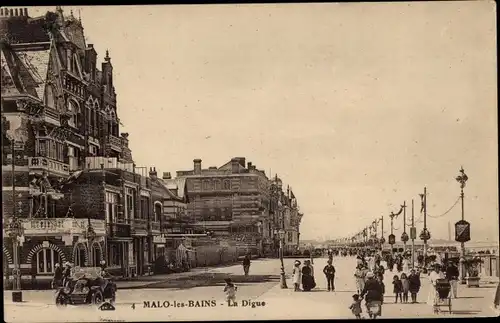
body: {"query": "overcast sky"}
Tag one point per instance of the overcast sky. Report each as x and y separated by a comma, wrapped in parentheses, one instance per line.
(356, 106)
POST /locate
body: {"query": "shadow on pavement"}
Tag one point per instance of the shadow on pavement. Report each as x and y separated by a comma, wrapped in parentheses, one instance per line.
(211, 279)
(467, 297)
(464, 312)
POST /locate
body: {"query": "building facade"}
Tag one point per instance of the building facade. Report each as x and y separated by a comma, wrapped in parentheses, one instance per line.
(58, 109)
(232, 201)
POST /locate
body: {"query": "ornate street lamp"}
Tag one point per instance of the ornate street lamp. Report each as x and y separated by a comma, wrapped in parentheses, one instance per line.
(462, 227)
(281, 233)
(90, 235)
(15, 231)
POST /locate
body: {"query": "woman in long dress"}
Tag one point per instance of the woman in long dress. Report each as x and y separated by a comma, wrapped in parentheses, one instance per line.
(435, 274)
(307, 277)
(406, 265)
(296, 277)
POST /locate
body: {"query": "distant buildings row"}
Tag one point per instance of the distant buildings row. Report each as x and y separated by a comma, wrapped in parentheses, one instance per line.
(69, 173)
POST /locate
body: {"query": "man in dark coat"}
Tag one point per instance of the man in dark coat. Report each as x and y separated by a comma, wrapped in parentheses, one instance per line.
(58, 276)
(329, 272)
(246, 265)
(414, 282)
(373, 290)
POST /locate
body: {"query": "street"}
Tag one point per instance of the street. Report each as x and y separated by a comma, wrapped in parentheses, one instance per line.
(261, 287)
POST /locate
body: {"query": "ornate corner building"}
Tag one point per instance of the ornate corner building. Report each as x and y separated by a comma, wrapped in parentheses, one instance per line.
(59, 113)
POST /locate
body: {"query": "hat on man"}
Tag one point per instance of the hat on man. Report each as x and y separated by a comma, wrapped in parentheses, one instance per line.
(370, 275)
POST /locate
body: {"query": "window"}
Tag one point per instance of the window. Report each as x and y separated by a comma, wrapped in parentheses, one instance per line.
(206, 185)
(114, 255)
(157, 213)
(46, 260)
(290, 236)
(74, 110)
(129, 202)
(42, 148)
(226, 185)
(144, 207)
(79, 256)
(111, 207)
(217, 185)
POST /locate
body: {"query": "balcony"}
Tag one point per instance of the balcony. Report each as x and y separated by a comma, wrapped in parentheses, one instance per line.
(155, 226)
(115, 142)
(139, 226)
(119, 230)
(60, 226)
(49, 165)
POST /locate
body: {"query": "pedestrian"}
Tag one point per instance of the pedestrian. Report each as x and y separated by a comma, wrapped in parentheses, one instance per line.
(246, 265)
(58, 276)
(307, 277)
(296, 276)
(382, 286)
(452, 274)
(406, 287)
(434, 275)
(66, 273)
(359, 275)
(329, 272)
(356, 306)
(406, 265)
(414, 282)
(230, 290)
(398, 288)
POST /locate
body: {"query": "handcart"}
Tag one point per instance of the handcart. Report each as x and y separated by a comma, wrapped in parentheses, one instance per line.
(443, 295)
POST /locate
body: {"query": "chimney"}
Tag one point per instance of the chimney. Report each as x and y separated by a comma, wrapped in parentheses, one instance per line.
(166, 175)
(197, 166)
(235, 165)
(249, 165)
(241, 160)
(152, 173)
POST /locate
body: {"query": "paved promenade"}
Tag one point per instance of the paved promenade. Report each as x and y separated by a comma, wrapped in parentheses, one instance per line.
(261, 286)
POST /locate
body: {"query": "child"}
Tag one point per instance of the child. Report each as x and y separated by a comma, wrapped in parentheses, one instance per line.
(296, 276)
(406, 287)
(356, 306)
(398, 287)
(230, 290)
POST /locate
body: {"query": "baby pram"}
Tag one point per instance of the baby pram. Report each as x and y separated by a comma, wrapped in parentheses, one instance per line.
(443, 295)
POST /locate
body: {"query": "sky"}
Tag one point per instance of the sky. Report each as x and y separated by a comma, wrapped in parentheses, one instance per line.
(356, 106)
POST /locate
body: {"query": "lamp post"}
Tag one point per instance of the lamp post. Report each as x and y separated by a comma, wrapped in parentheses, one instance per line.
(90, 236)
(15, 228)
(463, 225)
(282, 274)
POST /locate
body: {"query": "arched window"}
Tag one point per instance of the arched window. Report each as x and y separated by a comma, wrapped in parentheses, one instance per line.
(226, 185)
(74, 110)
(46, 259)
(96, 256)
(157, 212)
(79, 256)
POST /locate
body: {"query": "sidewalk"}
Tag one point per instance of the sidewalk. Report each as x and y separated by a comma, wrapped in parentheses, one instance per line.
(319, 303)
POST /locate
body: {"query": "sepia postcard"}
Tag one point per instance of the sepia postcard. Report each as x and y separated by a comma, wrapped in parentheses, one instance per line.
(275, 161)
